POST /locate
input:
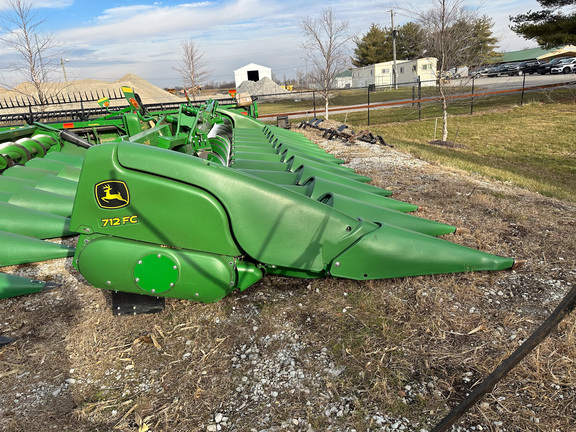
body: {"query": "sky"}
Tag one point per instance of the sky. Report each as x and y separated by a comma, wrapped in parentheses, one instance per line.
(105, 40)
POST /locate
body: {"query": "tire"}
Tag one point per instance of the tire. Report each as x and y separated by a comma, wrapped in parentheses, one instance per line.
(565, 70)
(520, 73)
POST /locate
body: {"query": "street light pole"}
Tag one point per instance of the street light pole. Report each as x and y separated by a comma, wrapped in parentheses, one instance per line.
(62, 60)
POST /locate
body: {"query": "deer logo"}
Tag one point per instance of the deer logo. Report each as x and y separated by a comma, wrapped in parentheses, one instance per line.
(112, 194)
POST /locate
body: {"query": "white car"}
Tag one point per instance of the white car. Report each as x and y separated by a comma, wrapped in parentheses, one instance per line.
(565, 66)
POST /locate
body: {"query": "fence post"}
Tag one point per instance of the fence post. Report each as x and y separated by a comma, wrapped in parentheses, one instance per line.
(419, 98)
(314, 97)
(368, 93)
(523, 86)
(413, 94)
(472, 98)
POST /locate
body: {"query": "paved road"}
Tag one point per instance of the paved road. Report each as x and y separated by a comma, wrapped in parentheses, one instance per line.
(516, 81)
(481, 85)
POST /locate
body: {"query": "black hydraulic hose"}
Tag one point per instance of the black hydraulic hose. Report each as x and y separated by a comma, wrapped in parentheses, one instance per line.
(75, 139)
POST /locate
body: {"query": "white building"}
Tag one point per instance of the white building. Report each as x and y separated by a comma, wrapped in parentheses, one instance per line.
(344, 79)
(380, 74)
(251, 72)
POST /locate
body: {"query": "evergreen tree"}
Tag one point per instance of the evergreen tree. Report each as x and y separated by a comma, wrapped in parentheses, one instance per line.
(410, 42)
(371, 48)
(553, 26)
(376, 45)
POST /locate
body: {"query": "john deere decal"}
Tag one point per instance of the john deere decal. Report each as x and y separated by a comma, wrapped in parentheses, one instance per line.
(112, 194)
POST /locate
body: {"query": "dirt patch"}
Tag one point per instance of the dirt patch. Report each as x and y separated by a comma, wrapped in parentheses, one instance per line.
(315, 355)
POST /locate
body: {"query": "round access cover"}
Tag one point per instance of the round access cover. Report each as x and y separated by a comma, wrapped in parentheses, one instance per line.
(156, 273)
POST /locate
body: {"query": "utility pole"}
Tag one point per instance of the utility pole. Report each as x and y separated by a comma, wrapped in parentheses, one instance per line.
(62, 60)
(394, 33)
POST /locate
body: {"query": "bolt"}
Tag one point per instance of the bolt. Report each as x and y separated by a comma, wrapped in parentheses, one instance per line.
(159, 256)
(337, 264)
(87, 230)
(175, 267)
(171, 284)
(196, 294)
(348, 228)
(139, 261)
(137, 279)
(153, 290)
(108, 283)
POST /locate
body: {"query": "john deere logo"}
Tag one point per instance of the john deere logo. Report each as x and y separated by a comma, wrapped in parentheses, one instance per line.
(112, 194)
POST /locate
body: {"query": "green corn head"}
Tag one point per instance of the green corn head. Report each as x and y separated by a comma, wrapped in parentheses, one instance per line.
(195, 203)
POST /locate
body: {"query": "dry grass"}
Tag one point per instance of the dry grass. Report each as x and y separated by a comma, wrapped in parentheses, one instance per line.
(403, 347)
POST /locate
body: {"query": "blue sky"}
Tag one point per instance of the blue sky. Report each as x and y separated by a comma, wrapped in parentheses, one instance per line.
(105, 39)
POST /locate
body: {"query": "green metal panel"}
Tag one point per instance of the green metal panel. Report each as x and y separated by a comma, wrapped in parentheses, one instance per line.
(257, 156)
(33, 223)
(375, 213)
(271, 224)
(26, 172)
(70, 159)
(394, 252)
(318, 187)
(150, 208)
(58, 185)
(143, 268)
(14, 286)
(19, 249)
(12, 184)
(276, 177)
(44, 201)
(306, 173)
(258, 165)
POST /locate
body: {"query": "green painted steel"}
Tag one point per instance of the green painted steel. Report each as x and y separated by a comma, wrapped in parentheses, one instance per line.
(194, 203)
(392, 252)
(131, 203)
(19, 249)
(375, 213)
(44, 201)
(143, 268)
(14, 286)
(33, 223)
(70, 159)
(275, 228)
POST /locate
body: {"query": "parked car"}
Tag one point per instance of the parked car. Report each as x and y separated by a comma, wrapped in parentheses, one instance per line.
(564, 66)
(545, 68)
(511, 69)
(480, 72)
(498, 70)
(527, 67)
(531, 66)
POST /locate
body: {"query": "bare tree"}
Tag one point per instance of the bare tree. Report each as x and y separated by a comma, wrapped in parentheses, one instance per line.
(36, 54)
(192, 67)
(325, 40)
(451, 36)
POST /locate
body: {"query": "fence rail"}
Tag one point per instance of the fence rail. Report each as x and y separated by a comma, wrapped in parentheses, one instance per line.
(420, 95)
(28, 101)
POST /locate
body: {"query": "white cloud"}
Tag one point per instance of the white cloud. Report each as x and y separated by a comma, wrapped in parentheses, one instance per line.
(49, 4)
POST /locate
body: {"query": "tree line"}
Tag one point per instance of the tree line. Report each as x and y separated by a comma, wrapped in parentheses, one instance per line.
(413, 41)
